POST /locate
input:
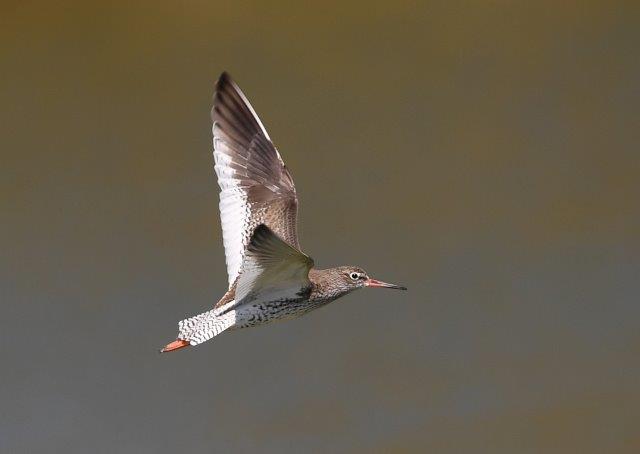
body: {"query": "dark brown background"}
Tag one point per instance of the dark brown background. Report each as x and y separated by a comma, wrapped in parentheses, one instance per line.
(483, 154)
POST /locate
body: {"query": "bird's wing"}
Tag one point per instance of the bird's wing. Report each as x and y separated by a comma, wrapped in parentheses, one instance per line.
(255, 185)
(272, 269)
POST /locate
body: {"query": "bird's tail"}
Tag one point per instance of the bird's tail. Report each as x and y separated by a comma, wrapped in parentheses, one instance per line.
(201, 328)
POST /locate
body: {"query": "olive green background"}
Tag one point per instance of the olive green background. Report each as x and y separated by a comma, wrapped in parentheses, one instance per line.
(485, 154)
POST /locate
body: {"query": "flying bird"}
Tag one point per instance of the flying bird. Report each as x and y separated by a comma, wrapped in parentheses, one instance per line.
(270, 278)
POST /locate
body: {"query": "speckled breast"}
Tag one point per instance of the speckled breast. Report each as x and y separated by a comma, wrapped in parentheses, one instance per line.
(258, 313)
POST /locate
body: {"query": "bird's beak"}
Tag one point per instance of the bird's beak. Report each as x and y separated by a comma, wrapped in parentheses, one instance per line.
(376, 283)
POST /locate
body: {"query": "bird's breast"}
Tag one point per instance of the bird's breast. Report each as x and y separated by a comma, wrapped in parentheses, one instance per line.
(258, 312)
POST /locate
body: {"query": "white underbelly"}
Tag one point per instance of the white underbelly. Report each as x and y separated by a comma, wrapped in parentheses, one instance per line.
(259, 313)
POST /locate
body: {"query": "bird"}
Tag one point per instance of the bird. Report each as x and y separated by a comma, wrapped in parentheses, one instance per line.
(269, 277)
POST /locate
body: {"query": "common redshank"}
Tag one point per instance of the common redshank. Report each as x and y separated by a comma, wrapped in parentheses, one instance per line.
(270, 278)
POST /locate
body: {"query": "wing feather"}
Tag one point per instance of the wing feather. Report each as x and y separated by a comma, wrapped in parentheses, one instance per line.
(272, 267)
(255, 185)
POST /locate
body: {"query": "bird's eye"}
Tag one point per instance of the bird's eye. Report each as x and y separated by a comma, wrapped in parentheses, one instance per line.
(354, 276)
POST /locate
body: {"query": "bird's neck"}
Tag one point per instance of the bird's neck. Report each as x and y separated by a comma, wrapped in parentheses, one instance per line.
(325, 285)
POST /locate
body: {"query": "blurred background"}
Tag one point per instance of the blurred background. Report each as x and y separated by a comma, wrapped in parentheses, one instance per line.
(484, 154)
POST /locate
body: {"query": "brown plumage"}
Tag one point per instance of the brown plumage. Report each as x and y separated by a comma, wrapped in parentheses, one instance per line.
(269, 277)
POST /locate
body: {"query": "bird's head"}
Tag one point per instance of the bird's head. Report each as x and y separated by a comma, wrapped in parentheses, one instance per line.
(345, 279)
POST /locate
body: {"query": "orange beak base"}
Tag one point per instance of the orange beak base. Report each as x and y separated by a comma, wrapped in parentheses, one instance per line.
(376, 283)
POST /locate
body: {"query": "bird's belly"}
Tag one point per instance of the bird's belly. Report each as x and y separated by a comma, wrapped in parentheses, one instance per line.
(261, 312)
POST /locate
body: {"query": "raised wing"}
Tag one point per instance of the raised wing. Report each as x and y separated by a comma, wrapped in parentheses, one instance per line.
(272, 269)
(255, 185)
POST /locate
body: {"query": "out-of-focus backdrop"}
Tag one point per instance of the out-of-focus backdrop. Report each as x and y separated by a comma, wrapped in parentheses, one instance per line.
(481, 153)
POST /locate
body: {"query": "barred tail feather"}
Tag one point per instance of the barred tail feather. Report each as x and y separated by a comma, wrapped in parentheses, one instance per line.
(203, 327)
